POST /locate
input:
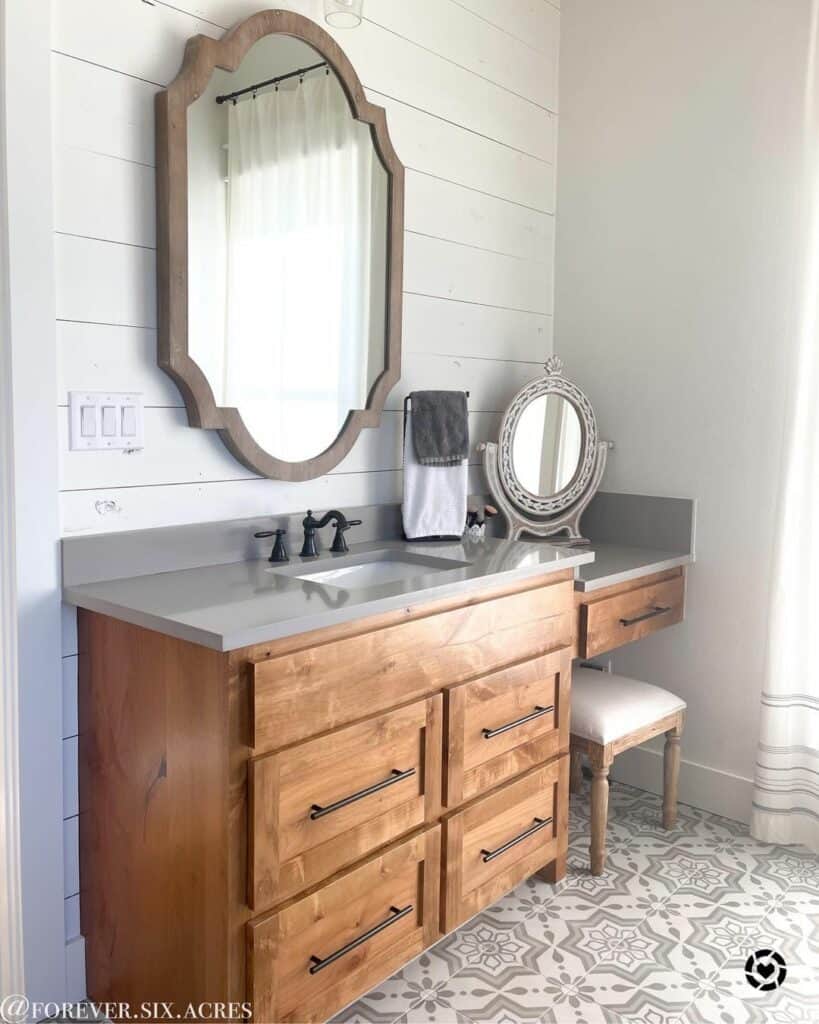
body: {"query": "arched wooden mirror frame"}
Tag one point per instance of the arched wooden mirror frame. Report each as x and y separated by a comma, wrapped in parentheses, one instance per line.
(202, 56)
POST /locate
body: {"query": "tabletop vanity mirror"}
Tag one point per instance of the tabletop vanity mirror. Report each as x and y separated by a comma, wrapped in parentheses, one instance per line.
(280, 235)
(549, 460)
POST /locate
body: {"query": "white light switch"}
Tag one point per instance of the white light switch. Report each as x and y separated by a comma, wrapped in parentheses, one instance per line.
(109, 421)
(128, 421)
(101, 420)
(88, 420)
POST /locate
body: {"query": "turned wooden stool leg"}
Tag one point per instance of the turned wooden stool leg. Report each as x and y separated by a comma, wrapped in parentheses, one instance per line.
(599, 811)
(671, 774)
(576, 771)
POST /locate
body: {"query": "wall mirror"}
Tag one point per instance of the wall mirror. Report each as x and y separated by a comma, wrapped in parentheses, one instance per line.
(548, 461)
(280, 239)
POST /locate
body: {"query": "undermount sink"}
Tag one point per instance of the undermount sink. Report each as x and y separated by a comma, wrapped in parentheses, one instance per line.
(371, 568)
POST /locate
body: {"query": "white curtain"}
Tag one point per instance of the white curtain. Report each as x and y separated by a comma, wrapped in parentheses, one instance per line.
(786, 791)
(302, 178)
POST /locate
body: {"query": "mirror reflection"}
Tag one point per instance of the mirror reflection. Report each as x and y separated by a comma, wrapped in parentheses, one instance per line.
(287, 251)
(546, 448)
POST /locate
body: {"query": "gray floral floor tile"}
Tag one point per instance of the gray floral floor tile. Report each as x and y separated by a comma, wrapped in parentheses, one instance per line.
(796, 912)
(493, 948)
(401, 991)
(661, 937)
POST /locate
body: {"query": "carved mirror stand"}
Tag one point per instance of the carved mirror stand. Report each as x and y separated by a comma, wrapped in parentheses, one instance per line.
(549, 460)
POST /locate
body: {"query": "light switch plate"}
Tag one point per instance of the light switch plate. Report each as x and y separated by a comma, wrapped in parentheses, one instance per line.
(105, 420)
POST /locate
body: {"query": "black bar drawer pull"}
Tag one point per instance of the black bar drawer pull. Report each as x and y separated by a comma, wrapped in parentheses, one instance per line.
(539, 823)
(317, 964)
(317, 811)
(657, 610)
(537, 713)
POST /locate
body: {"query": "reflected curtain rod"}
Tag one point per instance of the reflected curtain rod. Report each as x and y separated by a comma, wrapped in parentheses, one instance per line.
(270, 81)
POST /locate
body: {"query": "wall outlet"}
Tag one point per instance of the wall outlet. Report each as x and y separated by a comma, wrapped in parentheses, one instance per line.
(105, 420)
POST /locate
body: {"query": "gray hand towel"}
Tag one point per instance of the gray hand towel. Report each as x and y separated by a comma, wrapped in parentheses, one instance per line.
(440, 427)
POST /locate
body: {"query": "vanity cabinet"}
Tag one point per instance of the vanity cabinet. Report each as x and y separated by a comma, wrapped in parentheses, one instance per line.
(289, 823)
(620, 614)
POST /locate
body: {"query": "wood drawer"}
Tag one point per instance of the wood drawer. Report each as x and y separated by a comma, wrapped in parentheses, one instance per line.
(319, 806)
(307, 692)
(506, 723)
(500, 839)
(319, 953)
(609, 622)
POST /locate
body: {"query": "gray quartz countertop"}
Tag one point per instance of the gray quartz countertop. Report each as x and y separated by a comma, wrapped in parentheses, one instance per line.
(618, 563)
(234, 605)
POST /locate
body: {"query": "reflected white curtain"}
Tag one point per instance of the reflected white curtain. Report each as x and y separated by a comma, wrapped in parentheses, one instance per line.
(786, 790)
(300, 201)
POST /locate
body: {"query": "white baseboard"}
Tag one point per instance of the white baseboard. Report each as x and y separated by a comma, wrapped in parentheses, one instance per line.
(708, 788)
(75, 970)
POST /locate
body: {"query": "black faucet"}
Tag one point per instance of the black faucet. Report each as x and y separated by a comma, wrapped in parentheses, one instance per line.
(279, 552)
(342, 524)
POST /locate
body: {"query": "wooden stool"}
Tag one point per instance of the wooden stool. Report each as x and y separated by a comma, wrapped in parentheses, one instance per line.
(611, 714)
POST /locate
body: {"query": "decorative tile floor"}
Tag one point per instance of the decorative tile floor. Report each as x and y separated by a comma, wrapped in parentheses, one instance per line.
(661, 938)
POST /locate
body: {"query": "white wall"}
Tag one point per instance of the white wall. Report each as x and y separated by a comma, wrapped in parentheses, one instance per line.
(470, 112)
(679, 161)
(30, 311)
(470, 91)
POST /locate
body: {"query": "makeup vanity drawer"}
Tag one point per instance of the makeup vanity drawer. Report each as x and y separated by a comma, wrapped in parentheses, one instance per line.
(612, 620)
(505, 723)
(500, 839)
(319, 806)
(327, 685)
(319, 953)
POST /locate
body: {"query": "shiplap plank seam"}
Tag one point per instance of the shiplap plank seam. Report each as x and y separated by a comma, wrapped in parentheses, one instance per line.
(394, 99)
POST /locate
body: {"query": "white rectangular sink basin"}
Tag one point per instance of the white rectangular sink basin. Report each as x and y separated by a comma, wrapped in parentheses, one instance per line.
(372, 568)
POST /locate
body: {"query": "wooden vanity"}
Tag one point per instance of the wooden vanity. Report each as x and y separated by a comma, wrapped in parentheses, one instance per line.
(286, 824)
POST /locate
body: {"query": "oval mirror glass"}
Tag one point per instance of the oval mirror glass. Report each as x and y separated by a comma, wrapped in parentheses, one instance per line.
(288, 219)
(547, 445)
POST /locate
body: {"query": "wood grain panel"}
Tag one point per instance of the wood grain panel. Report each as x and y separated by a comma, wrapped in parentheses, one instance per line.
(281, 944)
(301, 694)
(471, 882)
(611, 621)
(477, 763)
(153, 829)
(289, 849)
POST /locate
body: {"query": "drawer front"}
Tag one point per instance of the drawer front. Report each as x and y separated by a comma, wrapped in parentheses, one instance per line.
(610, 622)
(311, 691)
(500, 839)
(506, 723)
(319, 806)
(310, 959)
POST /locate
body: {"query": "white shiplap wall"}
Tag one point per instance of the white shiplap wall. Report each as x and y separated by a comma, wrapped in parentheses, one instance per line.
(470, 91)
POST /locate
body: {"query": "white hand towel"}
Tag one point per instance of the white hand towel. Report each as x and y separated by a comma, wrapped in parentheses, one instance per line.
(434, 496)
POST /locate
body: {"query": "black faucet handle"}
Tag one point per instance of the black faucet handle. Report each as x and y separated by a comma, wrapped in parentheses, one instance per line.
(339, 544)
(279, 552)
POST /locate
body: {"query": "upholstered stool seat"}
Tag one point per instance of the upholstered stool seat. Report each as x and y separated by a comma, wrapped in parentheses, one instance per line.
(610, 714)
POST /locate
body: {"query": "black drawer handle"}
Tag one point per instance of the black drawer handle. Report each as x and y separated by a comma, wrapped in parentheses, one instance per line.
(658, 610)
(537, 713)
(539, 823)
(317, 811)
(317, 964)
